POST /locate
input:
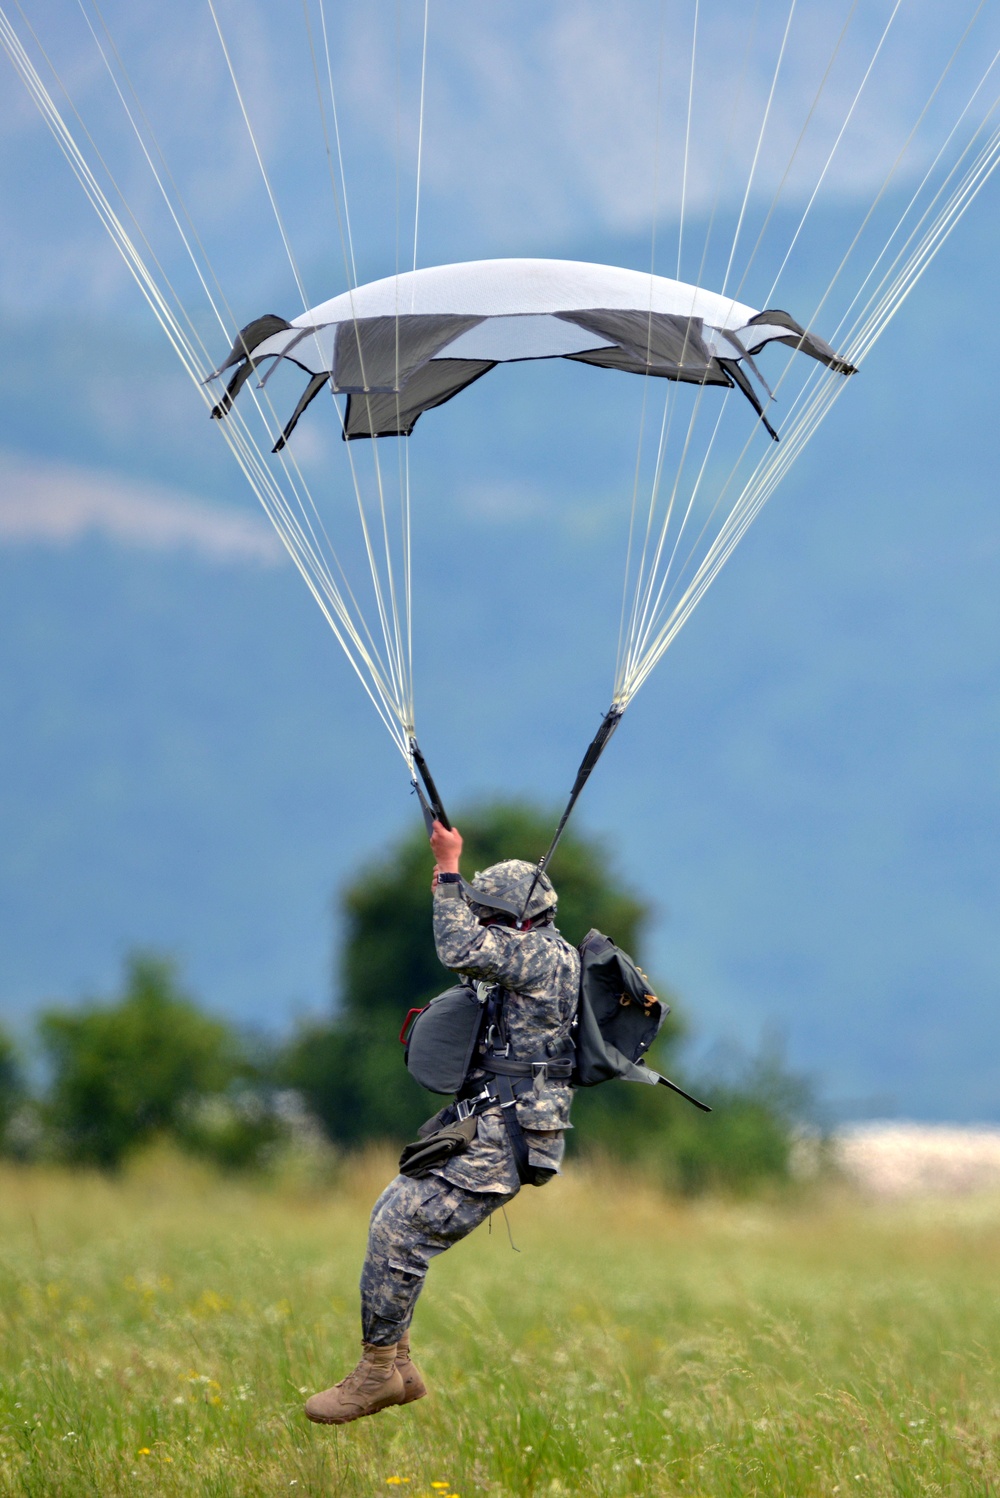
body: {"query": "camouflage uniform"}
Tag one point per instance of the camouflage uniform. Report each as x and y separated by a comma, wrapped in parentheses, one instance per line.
(414, 1220)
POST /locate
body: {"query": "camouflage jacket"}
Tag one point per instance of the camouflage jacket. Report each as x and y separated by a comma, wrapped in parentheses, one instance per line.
(541, 973)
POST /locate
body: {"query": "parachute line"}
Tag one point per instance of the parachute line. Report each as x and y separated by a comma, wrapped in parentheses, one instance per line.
(641, 586)
(833, 150)
(420, 131)
(760, 141)
(692, 465)
(387, 608)
(352, 278)
(867, 328)
(301, 543)
(340, 209)
(652, 629)
(687, 138)
(257, 153)
(834, 55)
(641, 613)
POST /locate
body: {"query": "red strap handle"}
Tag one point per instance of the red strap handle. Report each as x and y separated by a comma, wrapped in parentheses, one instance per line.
(408, 1021)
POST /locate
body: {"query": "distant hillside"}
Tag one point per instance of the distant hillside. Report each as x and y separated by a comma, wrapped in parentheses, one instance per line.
(808, 787)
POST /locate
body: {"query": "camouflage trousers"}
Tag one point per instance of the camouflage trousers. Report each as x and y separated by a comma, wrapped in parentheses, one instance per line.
(412, 1222)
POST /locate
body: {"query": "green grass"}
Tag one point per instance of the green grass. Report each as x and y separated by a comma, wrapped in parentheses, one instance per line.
(157, 1333)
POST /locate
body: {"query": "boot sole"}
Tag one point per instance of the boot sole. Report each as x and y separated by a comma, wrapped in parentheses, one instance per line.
(376, 1409)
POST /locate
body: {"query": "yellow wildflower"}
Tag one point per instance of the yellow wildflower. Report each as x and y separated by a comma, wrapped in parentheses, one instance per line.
(209, 1304)
(143, 1451)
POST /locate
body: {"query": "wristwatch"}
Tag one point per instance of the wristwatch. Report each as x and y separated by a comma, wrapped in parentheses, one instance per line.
(448, 878)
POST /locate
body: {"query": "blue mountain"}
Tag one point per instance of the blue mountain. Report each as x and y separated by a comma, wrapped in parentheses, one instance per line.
(807, 788)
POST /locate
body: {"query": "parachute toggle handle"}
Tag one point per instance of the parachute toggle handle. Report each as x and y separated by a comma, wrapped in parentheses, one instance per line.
(430, 803)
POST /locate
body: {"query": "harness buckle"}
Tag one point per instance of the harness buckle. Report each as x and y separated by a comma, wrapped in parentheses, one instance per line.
(465, 1107)
(492, 1035)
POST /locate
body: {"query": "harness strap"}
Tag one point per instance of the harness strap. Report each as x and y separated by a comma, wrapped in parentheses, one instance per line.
(465, 1107)
(518, 1143)
(505, 1090)
(558, 1069)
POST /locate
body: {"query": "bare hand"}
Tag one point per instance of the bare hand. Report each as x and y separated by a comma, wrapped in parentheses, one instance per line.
(447, 848)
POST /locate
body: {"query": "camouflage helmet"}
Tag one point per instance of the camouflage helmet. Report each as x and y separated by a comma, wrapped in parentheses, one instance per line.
(504, 887)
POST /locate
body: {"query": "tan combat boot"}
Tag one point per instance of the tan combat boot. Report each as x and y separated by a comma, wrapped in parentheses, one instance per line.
(374, 1385)
(413, 1383)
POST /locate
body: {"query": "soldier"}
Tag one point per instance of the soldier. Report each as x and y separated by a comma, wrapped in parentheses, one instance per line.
(520, 1100)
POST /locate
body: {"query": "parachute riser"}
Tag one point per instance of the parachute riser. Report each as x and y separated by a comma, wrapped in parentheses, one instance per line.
(595, 749)
(430, 804)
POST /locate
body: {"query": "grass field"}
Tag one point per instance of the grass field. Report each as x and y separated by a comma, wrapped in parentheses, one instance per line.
(157, 1334)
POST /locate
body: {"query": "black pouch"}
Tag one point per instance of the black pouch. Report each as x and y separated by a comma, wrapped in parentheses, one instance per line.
(440, 1038)
(424, 1155)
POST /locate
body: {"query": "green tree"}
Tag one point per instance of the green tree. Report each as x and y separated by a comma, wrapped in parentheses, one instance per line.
(126, 1071)
(350, 1069)
(11, 1086)
(757, 1106)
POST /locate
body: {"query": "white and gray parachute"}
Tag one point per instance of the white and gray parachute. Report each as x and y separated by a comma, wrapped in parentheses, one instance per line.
(806, 162)
(400, 346)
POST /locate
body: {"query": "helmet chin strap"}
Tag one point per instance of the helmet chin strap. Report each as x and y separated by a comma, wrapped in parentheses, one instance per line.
(524, 925)
(494, 902)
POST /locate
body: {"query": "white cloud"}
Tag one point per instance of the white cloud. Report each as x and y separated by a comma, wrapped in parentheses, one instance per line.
(48, 504)
(503, 504)
(543, 123)
(562, 117)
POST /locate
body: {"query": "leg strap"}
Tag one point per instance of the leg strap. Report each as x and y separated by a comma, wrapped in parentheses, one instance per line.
(518, 1143)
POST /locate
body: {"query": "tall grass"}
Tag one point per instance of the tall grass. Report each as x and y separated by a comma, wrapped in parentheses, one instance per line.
(157, 1334)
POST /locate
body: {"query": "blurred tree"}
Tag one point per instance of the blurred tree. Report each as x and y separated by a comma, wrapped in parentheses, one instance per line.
(350, 1069)
(124, 1072)
(759, 1108)
(11, 1086)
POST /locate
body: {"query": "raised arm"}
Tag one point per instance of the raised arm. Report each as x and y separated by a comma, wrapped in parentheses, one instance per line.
(521, 960)
(446, 845)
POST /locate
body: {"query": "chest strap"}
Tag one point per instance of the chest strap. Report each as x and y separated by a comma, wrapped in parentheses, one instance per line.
(540, 1072)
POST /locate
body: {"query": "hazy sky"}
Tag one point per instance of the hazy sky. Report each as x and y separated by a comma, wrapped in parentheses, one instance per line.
(807, 791)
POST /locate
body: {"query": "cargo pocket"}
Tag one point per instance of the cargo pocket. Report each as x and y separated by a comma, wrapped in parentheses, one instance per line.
(408, 1271)
(546, 1148)
(392, 1297)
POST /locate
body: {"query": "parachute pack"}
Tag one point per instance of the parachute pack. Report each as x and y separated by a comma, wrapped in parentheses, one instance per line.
(618, 1018)
(455, 1036)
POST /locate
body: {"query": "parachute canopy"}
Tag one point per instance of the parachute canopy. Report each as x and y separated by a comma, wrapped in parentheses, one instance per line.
(399, 346)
